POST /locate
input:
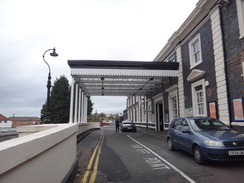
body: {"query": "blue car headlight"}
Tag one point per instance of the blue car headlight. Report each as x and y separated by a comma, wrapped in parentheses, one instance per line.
(213, 143)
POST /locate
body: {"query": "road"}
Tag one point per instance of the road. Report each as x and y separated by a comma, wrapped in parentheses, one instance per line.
(107, 156)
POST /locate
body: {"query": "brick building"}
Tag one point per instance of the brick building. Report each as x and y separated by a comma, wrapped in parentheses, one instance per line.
(209, 47)
(24, 121)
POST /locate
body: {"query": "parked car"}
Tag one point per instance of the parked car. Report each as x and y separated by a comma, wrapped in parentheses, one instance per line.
(206, 139)
(104, 123)
(127, 126)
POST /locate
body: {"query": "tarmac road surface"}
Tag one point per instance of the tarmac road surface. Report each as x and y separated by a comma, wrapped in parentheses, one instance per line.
(107, 156)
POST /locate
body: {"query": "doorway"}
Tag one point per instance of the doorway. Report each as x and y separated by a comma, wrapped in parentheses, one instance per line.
(159, 117)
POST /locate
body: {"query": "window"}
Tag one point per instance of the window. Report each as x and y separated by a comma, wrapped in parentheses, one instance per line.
(195, 51)
(177, 124)
(240, 15)
(199, 98)
(184, 123)
(174, 107)
(184, 126)
(173, 102)
(172, 59)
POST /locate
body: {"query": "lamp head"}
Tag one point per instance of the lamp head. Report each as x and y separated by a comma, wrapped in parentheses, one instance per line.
(54, 54)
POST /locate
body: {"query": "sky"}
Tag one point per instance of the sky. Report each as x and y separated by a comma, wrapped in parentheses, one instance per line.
(131, 30)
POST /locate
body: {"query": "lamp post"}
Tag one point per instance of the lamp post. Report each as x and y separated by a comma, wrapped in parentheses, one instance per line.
(54, 54)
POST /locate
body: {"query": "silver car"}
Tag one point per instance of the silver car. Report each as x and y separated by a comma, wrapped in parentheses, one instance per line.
(127, 126)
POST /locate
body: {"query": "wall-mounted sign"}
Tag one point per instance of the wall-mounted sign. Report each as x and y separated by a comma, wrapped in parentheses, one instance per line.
(238, 109)
(212, 109)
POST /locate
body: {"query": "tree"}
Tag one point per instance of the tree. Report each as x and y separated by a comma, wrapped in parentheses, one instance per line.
(101, 116)
(59, 102)
(43, 112)
(89, 106)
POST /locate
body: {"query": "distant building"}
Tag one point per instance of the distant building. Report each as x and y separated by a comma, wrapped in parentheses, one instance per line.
(125, 116)
(5, 122)
(24, 121)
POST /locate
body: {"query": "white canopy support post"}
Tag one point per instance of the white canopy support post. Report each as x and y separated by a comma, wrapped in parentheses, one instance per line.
(82, 107)
(86, 99)
(71, 101)
(79, 108)
(146, 107)
(139, 109)
(76, 102)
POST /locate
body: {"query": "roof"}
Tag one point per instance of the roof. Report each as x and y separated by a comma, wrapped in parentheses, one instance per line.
(131, 65)
(24, 118)
(3, 118)
(120, 78)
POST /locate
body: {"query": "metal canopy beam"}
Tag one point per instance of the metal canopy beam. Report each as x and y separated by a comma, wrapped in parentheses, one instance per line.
(121, 78)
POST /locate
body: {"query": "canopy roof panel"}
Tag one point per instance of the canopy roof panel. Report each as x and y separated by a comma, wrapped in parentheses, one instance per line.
(121, 78)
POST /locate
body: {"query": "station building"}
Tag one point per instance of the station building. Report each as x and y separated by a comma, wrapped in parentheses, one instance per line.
(209, 47)
(199, 72)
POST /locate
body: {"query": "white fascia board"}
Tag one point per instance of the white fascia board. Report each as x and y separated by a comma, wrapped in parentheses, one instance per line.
(124, 72)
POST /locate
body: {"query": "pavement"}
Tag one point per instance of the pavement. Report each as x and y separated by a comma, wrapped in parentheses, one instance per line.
(153, 132)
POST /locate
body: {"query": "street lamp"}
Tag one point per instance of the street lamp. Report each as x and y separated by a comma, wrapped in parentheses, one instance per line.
(54, 54)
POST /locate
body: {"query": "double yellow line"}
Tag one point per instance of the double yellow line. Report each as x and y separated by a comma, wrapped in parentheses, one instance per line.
(92, 173)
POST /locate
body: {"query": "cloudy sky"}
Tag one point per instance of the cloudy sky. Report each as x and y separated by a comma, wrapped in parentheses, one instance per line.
(134, 30)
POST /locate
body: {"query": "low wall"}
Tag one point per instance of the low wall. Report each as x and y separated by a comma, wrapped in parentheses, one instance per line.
(42, 153)
(47, 155)
(27, 130)
(83, 127)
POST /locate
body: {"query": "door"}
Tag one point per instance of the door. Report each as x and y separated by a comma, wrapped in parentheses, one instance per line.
(159, 116)
(184, 139)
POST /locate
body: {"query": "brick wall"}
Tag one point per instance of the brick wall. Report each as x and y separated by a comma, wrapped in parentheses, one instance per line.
(207, 65)
(234, 69)
(234, 52)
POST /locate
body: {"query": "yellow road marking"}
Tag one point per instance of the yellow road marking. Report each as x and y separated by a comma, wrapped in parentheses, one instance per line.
(94, 174)
(88, 171)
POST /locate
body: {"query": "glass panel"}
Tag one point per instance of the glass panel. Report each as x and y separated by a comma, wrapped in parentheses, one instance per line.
(177, 124)
(199, 100)
(174, 107)
(208, 124)
(196, 51)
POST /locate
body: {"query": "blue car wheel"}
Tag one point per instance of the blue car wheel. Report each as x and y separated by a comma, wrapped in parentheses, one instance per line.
(198, 155)
(170, 145)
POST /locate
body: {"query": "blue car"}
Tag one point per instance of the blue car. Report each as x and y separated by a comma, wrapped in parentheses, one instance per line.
(206, 139)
